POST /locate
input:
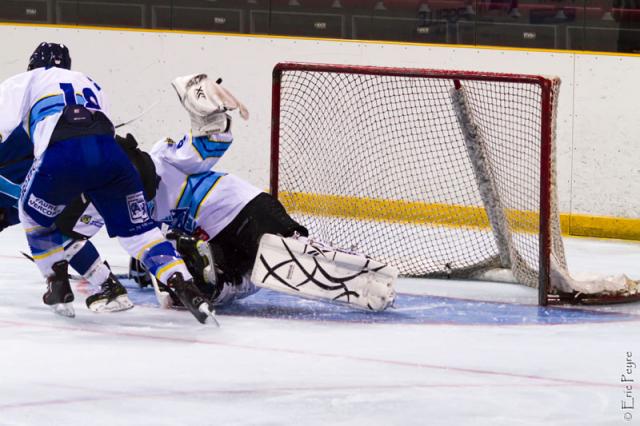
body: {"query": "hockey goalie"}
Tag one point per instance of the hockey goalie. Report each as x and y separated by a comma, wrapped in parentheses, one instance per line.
(237, 238)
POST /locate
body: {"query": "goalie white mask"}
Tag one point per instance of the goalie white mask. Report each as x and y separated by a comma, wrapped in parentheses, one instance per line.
(207, 103)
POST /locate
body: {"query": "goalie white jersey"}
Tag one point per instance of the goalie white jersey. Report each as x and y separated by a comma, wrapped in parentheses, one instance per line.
(191, 195)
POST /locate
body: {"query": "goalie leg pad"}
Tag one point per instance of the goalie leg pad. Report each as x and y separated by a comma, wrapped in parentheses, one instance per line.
(313, 270)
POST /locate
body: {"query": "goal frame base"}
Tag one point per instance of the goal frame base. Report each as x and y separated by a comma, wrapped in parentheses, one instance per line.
(577, 298)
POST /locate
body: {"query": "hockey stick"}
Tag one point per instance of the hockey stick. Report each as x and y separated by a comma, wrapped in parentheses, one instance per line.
(124, 123)
(137, 117)
(28, 257)
(71, 276)
(78, 277)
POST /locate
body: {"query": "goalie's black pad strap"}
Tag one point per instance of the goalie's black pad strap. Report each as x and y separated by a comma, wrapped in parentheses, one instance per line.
(236, 246)
(143, 164)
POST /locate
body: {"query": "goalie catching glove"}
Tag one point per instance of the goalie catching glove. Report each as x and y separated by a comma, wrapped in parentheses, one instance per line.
(207, 103)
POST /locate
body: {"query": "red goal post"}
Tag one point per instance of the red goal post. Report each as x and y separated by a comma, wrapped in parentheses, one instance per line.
(460, 165)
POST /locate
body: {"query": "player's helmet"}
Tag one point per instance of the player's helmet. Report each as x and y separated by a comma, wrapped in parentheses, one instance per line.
(49, 55)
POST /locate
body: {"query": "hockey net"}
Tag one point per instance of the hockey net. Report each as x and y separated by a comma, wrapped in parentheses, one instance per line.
(440, 173)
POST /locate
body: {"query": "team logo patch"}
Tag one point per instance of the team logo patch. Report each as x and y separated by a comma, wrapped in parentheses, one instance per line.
(181, 219)
(89, 220)
(138, 212)
(43, 207)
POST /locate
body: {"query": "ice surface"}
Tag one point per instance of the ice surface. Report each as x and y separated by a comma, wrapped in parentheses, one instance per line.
(451, 353)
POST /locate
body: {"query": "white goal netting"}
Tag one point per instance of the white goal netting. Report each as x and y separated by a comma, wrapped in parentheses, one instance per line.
(443, 174)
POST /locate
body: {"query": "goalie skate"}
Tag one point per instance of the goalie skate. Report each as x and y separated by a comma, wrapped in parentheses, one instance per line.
(312, 270)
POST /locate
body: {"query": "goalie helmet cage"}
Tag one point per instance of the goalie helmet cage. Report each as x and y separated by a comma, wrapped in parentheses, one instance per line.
(440, 173)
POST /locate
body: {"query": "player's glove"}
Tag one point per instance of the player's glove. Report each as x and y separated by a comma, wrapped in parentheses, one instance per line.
(207, 103)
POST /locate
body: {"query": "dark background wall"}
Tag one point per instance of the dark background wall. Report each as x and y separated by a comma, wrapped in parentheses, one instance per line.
(595, 25)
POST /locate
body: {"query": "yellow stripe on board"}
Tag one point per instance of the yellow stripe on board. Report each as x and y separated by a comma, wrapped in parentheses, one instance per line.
(601, 226)
(417, 212)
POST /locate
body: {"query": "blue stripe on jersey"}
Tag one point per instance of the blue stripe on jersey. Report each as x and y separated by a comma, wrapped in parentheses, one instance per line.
(48, 106)
(196, 190)
(9, 188)
(207, 148)
(16, 158)
(43, 108)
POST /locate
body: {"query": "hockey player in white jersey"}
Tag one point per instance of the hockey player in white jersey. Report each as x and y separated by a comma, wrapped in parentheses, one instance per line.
(244, 234)
(66, 115)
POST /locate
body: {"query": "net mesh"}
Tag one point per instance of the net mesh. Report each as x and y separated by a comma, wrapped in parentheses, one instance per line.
(381, 164)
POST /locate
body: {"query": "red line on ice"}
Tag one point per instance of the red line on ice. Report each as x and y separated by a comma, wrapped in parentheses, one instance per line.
(114, 395)
(317, 354)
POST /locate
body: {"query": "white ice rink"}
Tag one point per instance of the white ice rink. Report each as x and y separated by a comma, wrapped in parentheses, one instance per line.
(451, 353)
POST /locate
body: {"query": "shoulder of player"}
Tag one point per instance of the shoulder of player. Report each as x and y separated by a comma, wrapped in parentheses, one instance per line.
(53, 76)
(62, 74)
(18, 79)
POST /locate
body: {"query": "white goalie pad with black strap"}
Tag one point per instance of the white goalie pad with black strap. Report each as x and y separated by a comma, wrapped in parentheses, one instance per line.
(312, 270)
